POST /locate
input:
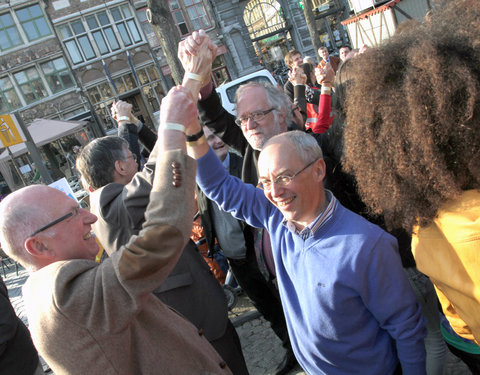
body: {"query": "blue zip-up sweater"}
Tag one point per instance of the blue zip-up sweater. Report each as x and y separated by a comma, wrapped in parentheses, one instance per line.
(347, 301)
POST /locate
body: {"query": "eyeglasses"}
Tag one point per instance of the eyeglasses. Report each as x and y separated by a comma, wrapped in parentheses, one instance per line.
(72, 213)
(295, 108)
(281, 180)
(133, 156)
(255, 116)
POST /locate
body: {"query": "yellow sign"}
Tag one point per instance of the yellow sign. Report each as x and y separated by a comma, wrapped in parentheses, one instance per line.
(9, 134)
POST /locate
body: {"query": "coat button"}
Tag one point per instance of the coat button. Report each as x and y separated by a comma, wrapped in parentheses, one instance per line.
(176, 183)
(223, 364)
(201, 332)
(175, 164)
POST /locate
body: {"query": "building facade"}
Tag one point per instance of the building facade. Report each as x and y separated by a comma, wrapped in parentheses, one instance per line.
(71, 59)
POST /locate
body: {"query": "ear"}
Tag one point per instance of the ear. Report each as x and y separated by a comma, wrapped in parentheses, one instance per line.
(320, 169)
(36, 247)
(120, 167)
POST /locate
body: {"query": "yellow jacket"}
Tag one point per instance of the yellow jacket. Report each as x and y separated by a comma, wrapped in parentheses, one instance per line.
(448, 251)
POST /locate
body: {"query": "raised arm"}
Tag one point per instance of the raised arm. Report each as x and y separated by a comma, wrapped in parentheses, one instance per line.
(197, 53)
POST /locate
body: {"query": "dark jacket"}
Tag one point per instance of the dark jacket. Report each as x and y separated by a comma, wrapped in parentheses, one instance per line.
(18, 355)
(205, 209)
(190, 288)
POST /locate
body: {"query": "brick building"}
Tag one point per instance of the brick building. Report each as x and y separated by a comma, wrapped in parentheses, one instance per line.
(69, 60)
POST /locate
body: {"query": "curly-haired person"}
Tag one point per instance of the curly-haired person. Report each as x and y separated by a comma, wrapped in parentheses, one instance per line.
(413, 144)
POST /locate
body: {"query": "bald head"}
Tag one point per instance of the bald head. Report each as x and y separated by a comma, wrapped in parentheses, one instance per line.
(21, 213)
(25, 211)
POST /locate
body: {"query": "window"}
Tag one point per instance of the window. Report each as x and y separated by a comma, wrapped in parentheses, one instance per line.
(126, 24)
(148, 28)
(9, 35)
(99, 34)
(30, 84)
(58, 75)
(76, 41)
(8, 97)
(197, 14)
(103, 33)
(33, 22)
(196, 19)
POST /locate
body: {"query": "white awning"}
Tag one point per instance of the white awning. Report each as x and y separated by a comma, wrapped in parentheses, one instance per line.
(43, 132)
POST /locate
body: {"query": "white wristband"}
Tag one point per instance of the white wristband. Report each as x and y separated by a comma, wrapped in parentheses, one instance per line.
(326, 90)
(173, 126)
(123, 118)
(194, 76)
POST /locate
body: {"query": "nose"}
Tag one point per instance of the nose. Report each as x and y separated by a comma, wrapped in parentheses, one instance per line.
(88, 217)
(251, 124)
(276, 190)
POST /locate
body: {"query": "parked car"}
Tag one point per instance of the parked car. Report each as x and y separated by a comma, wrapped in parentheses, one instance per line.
(227, 91)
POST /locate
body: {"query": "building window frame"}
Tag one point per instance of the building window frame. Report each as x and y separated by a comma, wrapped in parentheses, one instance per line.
(33, 22)
(59, 78)
(9, 33)
(190, 15)
(99, 34)
(30, 84)
(8, 96)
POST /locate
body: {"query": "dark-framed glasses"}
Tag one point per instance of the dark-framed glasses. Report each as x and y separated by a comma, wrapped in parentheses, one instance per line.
(295, 108)
(281, 180)
(74, 212)
(255, 116)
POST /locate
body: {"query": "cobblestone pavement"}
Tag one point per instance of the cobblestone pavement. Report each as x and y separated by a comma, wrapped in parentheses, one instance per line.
(262, 349)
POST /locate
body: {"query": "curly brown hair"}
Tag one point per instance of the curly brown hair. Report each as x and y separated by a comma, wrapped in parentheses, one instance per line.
(413, 114)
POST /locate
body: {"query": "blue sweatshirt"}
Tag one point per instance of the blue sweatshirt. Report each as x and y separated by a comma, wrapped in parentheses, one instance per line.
(347, 301)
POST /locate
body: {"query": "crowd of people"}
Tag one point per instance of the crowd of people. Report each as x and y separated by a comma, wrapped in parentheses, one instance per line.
(347, 206)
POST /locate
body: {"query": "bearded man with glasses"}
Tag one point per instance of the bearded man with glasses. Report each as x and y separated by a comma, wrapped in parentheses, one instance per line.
(348, 304)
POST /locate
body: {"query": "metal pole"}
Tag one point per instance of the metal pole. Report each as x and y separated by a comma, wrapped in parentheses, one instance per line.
(33, 150)
(16, 166)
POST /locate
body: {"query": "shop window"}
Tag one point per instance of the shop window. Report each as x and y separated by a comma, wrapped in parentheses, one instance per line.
(220, 71)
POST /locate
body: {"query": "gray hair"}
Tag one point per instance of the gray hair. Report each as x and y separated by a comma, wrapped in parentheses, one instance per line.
(96, 161)
(306, 146)
(275, 99)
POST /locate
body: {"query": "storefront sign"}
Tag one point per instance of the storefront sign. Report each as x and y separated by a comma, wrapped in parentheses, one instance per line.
(9, 134)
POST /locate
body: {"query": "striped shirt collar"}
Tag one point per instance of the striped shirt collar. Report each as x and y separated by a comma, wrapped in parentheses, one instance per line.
(315, 225)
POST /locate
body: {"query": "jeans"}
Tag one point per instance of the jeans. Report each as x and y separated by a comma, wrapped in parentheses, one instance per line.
(435, 345)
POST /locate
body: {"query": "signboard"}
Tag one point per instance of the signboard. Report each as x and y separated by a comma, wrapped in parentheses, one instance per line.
(64, 186)
(9, 134)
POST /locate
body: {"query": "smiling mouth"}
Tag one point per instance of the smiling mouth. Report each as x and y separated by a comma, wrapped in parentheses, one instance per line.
(88, 236)
(285, 202)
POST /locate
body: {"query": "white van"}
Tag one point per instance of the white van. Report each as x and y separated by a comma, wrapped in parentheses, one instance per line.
(227, 91)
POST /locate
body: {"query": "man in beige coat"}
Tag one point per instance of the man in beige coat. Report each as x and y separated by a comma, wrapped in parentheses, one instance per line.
(89, 318)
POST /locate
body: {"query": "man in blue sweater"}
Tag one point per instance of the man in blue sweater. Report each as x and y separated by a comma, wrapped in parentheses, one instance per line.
(347, 301)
